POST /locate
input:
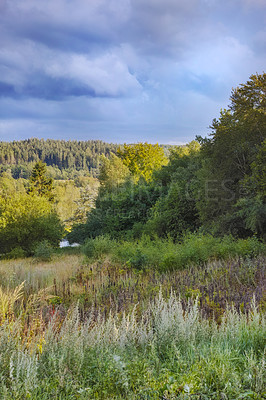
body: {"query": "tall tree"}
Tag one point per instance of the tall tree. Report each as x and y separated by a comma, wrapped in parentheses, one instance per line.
(175, 212)
(113, 172)
(142, 159)
(26, 221)
(40, 183)
(228, 156)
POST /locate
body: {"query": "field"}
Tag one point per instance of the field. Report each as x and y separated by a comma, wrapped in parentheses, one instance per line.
(98, 328)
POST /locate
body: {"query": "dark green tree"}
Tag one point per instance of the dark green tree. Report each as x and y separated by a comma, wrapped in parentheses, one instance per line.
(175, 212)
(40, 183)
(229, 156)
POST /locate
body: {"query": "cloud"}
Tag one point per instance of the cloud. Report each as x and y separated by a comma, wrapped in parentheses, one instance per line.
(128, 67)
(107, 75)
(40, 72)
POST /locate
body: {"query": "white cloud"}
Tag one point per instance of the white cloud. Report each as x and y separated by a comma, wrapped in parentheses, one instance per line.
(106, 75)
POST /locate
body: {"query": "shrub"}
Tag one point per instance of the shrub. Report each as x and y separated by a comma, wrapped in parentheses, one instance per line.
(198, 249)
(139, 260)
(17, 252)
(43, 251)
(25, 221)
(124, 251)
(166, 255)
(97, 248)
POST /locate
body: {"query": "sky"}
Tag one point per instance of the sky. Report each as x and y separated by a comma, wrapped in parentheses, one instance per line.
(124, 70)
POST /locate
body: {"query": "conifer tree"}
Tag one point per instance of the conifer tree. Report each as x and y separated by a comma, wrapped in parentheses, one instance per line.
(40, 183)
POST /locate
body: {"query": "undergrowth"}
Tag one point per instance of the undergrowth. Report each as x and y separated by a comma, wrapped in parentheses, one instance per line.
(167, 255)
(170, 352)
(111, 326)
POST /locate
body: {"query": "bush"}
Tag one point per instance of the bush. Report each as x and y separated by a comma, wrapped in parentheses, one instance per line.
(198, 249)
(166, 255)
(25, 221)
(43, 251)
(124, 251)
(97, 248)
(139, 260)
(17, 252)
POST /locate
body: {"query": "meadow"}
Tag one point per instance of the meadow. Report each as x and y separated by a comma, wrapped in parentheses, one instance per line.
(101, 322)
(165, 297)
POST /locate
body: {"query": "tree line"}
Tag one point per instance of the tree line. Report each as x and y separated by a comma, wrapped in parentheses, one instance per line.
(38, 211)
(62, 155)
(215, 184)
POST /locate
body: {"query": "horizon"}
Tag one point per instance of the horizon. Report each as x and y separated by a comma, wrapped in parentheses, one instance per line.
(93, 140)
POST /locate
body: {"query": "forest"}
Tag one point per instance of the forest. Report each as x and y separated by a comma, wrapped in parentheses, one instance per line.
(165, 296)
(63, 158)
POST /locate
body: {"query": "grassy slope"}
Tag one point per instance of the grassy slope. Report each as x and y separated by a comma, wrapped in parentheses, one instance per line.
(162, 347)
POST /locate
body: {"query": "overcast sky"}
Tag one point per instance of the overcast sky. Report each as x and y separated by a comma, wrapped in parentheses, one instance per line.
(124, 70)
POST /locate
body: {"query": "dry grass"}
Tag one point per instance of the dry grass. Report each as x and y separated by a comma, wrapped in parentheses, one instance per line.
(38, 275)
(107, 286)
(103, 330)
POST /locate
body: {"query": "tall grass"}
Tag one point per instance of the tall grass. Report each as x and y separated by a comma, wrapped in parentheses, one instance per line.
(169, 352)
(112, 327)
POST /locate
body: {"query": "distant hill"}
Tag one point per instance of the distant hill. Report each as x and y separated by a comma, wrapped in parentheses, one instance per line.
(61, 154)
(63, 158)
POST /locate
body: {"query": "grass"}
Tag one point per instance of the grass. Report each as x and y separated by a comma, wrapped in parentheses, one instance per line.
(170, 352)
(110, 326)
(38, 274)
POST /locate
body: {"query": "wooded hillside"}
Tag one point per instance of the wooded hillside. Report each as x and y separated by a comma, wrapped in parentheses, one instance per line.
(62, 154)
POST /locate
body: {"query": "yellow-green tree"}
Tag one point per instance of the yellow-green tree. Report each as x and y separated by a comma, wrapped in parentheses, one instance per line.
(25, 221)
(113, 172)
(142, 159)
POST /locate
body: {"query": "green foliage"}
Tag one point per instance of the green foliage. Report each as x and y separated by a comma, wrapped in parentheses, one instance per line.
(113, 172)
(121, 202)
(156, 208)
(139, 260)
(26, 220)
(67, 196)
(118, 211)
(175, 212)
(199, 249)
(43, 251)
(142, 159)
(75, 199)
(65, 160)
(252, 211)
(16, 253)
(234, 155)
(40, 183)
(10, 186)
(99, 247)
(166, 255)
(257, 181)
